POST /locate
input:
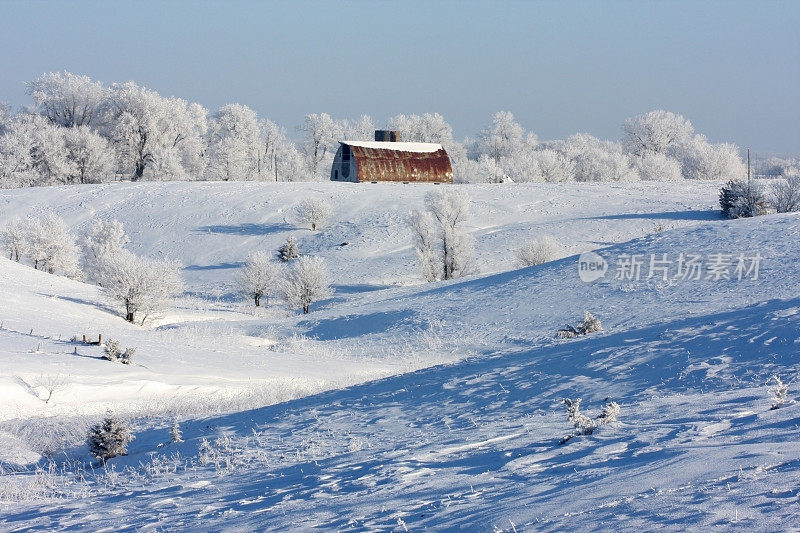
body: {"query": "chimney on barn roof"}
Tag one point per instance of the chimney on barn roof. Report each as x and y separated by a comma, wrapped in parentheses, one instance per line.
(387, 136)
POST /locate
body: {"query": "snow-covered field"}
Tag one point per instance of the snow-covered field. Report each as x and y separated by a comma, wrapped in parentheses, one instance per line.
(463, 429)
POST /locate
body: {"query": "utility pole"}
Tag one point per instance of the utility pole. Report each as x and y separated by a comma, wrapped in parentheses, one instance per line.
(748, 166)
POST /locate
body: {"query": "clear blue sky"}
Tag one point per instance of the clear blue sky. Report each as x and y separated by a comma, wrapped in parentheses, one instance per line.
(731, 67)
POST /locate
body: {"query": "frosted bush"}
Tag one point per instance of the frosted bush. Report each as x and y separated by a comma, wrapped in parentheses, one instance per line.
(740, 199)
(307, 282)
(786, 195)
(175, 433)
(258, 278)
(109, 439)
(585, 425)
(779, 393)
(539, 251)
(289, 250)
(589, 324)
(127, 356)
(112, 350)
(313, 211)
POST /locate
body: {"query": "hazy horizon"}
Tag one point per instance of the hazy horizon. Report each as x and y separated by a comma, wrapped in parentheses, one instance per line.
(732, 68)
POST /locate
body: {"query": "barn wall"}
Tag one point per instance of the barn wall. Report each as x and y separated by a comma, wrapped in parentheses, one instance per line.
(395, 165)
(339, 166)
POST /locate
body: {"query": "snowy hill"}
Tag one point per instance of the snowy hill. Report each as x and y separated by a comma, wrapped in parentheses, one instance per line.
(469, 443)
(213, 347)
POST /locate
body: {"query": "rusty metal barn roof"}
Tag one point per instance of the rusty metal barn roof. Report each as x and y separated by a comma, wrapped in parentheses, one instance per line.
(392, 163)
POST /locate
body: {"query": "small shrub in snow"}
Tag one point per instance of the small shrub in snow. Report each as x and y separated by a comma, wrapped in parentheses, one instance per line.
(589, 324)
(127, 356)
(786, 195)
(538, 251)
(585, 425)
(779, 393)
(258, 277)
(175, 433)
(307, 282)
(50, 384)
(112, 350)
(313, 211)
(109, 438)
(289, 250)
(739, 199)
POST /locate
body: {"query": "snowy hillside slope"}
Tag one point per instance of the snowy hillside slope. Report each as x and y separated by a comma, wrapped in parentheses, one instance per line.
(475, 444)
(215, 351)
(211, 227)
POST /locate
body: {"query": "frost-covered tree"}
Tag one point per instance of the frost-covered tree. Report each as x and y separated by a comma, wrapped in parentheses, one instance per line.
(313, 211)
(103, 238)
(279, 159)
(175, 432)
(319, 143)
(443, 249)
(702, 160)
(362, 129)
(14, 238)
(91, 155)
(504, 137)
(234, 144)
(597, 160)
(489, 171)
(425, 239)
(741, 199)
(655, 132)
(109, 438)
(553, 166)
(656, 166)
(288, 250)
(5, 116)
(432, 128)
(50, 246)
(16, 163)
(66, 99)
(258, 277)
(306, 282)
(141, 284)
(538, 251)
(151, 133)
(33, 151)
(786, 194)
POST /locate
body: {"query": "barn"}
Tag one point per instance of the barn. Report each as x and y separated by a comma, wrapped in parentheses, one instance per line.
(387, 159)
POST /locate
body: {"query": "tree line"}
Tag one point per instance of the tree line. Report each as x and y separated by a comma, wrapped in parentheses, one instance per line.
(78, 130)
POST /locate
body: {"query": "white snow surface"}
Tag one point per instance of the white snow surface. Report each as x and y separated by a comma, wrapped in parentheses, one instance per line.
(423, 405)
(397, 146)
